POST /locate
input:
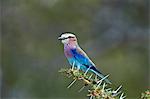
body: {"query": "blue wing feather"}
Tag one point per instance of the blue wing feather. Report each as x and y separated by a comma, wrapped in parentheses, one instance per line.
(80, 56)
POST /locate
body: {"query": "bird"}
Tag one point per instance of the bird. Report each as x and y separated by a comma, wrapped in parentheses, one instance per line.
(76, 56)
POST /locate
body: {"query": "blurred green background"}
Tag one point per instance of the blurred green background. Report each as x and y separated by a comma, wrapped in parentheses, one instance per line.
(114, 33)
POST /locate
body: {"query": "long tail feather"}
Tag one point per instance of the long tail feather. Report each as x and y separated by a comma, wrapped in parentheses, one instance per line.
(97, 72)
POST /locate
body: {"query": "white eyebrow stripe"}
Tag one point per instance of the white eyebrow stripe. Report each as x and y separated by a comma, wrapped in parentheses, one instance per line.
(67, 35)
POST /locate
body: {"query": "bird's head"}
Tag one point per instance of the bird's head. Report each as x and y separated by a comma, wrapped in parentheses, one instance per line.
(68, 37)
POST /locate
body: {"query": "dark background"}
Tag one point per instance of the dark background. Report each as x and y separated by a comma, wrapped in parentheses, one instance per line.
(114, 33)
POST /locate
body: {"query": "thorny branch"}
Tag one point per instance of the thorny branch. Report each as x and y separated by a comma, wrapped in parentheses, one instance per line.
(98, 88)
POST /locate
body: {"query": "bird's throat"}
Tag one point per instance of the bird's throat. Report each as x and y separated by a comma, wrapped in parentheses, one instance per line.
(70, 46)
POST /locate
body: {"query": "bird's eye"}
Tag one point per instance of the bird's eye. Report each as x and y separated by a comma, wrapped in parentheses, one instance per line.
(70, 37)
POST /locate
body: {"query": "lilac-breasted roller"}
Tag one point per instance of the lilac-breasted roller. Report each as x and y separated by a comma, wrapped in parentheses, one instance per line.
(76, 56)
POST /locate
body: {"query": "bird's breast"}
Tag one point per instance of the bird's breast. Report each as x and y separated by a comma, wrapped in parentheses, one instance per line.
(68, 54)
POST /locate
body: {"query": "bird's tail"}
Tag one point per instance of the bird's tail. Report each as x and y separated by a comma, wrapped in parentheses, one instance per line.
(97, 72)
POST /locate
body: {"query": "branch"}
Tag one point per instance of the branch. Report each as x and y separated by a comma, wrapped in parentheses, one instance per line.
(98, 88)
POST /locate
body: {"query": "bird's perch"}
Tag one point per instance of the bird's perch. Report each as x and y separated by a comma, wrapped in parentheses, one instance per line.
(98, 88)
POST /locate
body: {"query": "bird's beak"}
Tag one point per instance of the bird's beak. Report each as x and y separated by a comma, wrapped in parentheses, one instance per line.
(59, 38)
